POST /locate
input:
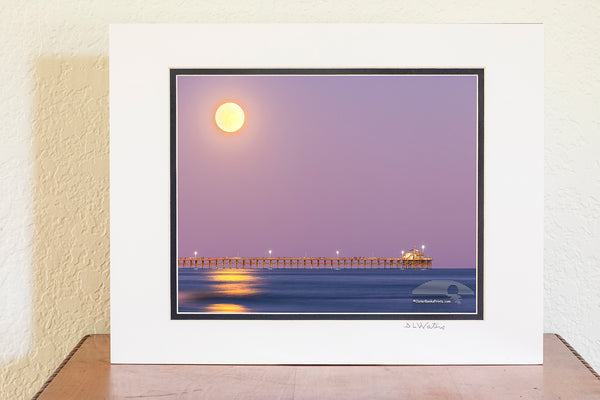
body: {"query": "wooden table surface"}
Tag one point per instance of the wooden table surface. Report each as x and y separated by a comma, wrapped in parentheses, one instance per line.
(88, 374)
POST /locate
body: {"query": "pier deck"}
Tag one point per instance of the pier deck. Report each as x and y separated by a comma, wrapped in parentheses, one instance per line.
(304, 263)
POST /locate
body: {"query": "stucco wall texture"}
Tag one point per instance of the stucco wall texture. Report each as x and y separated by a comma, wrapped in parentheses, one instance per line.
(54, 208)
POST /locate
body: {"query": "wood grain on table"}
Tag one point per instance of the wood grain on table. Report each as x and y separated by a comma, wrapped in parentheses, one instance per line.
(89, 375)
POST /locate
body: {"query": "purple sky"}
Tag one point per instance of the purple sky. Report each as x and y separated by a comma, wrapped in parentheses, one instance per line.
(367, 165)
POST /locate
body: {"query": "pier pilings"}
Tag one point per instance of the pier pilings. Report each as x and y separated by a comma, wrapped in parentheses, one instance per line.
(336, 263)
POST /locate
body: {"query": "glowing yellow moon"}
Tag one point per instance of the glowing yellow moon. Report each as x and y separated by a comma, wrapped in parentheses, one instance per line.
(229, 117)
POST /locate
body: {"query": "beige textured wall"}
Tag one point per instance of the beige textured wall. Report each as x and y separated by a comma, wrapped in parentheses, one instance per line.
(70, 242)
(54, 247)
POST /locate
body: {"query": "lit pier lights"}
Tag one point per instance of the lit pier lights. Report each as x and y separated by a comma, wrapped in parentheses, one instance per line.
(411, 259)
(337, 252)
(423, 247)
(195, 261)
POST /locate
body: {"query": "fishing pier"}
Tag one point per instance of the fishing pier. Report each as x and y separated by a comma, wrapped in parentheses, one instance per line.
(409, 260)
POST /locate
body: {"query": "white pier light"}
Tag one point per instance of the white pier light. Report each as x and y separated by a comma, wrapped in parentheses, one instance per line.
(270, 253)
(195, 254)
(423, 247)
(402, 252)
(337, 252)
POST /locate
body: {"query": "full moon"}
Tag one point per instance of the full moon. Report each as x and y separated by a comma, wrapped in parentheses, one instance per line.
(229, 117)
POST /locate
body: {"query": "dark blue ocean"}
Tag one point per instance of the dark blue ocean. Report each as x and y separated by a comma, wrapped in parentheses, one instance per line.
(327, 291)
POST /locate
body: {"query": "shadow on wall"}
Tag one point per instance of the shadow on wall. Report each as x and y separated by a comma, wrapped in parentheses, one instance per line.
(71, 216)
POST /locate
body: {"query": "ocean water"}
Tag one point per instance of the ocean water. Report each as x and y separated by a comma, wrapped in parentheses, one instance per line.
(327, 291)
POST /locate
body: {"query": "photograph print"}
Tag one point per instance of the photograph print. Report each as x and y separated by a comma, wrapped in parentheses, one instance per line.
(327, 193)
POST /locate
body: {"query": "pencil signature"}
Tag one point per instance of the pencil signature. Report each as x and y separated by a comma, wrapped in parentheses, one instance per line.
(424, 325)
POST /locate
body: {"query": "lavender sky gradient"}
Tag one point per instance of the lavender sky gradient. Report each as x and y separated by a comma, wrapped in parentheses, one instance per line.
(367, 165)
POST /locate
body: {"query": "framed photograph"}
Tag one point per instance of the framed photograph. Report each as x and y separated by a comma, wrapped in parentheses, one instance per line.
(326, 194)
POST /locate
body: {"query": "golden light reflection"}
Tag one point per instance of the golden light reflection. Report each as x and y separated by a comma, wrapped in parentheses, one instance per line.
(232, 308)
(236, 289)
(218, 277)
(234, 283)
